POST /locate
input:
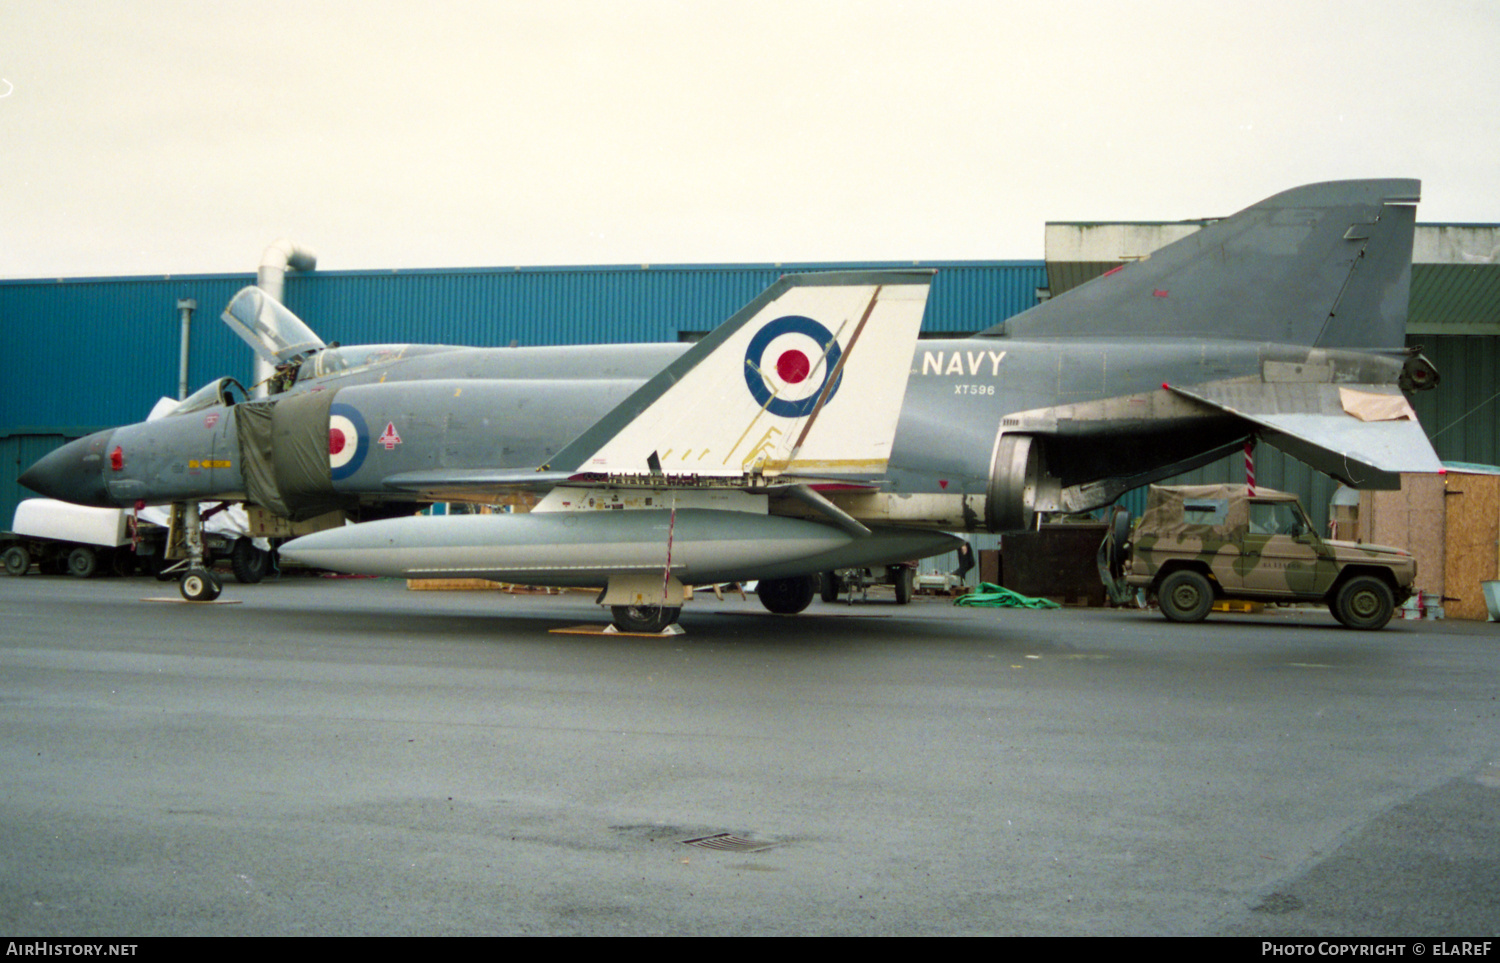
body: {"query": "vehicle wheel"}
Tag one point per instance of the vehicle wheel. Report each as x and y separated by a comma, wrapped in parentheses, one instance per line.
(643, 618)
(1365, 602)
(787, 596)
(83, 562)
(199, 586)
(829, 586)
(903, 578)
(17, 560)
(249, 563)
(1185, 596)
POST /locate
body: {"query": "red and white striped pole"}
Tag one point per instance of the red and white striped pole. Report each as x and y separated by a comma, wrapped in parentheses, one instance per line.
(1250, 464)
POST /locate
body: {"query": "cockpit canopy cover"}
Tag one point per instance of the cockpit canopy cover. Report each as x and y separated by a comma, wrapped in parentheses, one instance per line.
(274, 333)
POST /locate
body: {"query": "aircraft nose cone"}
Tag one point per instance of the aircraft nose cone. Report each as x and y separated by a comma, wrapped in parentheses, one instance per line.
(73, 473)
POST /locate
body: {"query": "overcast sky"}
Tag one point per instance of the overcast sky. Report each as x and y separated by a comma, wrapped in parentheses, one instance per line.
(157, 137)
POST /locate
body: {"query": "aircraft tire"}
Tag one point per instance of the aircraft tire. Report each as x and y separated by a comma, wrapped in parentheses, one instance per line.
(1364, 602)
(829, 586)
(249, 563)
(83, 562)
(199, 586)
(903, 579)
(643, 618)
(787, 596)
(17, 560)
(1185, 596)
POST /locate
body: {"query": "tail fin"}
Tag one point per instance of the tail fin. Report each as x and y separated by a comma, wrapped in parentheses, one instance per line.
(805, 380)
(1325, 264)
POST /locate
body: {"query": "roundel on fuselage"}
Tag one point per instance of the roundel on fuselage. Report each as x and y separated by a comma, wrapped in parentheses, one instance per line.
(348, 441)
(788, 363)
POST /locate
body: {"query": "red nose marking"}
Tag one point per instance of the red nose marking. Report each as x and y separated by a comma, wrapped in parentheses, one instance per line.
(117, 459)
(792, 366)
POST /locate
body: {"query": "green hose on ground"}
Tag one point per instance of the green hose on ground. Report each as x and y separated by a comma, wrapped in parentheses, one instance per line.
(995, 597)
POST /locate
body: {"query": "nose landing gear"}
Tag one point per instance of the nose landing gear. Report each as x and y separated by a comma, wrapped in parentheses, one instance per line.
(195, 582)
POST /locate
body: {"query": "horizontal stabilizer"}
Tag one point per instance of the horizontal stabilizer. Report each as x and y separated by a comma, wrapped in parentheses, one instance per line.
(1363, 435)
(806, 380)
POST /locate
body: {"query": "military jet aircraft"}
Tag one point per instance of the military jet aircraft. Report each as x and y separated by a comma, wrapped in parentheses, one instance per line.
(810, 431)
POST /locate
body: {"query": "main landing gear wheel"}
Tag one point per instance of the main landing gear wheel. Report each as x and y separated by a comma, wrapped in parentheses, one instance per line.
(249, 563)
(199, 586)
(904, 579)
(643, 618)
(787, 596)
(1185, 596)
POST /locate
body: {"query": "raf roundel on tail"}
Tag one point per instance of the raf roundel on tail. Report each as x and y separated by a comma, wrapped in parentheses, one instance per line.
(789, 363)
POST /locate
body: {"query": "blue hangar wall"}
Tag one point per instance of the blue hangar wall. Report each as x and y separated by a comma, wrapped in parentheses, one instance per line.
(91, 353)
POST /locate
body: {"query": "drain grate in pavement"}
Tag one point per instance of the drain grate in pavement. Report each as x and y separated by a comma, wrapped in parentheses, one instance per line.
(729, 843)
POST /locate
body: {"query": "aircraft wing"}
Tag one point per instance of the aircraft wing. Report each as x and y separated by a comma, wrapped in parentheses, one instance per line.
(1364, 435)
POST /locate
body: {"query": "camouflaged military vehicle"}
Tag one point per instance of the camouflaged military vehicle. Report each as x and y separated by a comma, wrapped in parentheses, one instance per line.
(1199, 543)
